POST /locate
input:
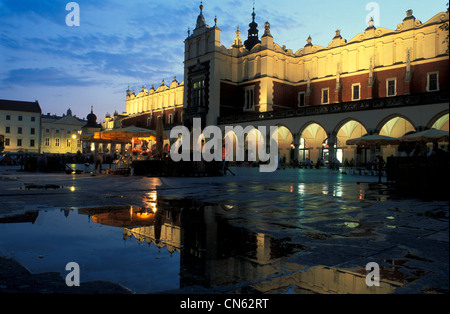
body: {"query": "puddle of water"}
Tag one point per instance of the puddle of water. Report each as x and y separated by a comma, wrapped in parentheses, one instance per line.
(58, 237)
(168, 244)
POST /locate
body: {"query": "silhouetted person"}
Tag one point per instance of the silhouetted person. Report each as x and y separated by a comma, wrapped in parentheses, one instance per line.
(98, 163)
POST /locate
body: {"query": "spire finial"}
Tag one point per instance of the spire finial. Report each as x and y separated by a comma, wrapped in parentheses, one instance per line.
(200, 19)
(237, 40)
(252, 33)
(253, 14)
(267, 29)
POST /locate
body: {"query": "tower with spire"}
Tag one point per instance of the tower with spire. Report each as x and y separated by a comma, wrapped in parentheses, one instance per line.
(252, 38)
(201, 63)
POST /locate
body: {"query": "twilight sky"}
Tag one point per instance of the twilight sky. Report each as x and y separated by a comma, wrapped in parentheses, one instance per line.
(136, 42)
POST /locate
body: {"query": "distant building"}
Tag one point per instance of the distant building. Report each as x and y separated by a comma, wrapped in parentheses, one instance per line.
(87, 133)
(112, 122)
(61, 134)
(20, 126)
(144, 108)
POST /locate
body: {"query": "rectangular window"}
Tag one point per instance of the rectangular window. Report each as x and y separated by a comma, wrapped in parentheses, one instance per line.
(7, 129)
(19, 118)
(68, 142)
(325, 94)
(47, 141)
(7, 142)
(47, 130)
(432, 82)
(8, 117)
(356, 92)
(301, 99)
(19, 142)
(32, 131)
(19, 130)
(78, 143)
(57, 142)
(199, 93)
(31, 143)
(391, 87)
(33, 119)
(57, 131)
(249, 101)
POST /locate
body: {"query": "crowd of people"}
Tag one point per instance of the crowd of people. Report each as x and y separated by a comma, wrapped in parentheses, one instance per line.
(108, 161)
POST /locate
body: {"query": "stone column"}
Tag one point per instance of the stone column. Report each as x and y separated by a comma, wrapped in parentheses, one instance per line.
(332, 140)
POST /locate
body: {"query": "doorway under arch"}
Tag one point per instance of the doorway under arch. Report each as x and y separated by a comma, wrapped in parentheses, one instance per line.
(311, 143)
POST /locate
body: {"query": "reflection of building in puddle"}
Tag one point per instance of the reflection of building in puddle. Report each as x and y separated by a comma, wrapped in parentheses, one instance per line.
(216, 253)
(164, 231)
(326, 280)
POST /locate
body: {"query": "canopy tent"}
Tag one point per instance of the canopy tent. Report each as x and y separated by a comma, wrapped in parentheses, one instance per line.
(431, 135)
(123, 135)
(373, 140)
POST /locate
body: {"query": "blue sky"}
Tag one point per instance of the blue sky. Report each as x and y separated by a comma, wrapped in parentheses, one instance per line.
(137, 42)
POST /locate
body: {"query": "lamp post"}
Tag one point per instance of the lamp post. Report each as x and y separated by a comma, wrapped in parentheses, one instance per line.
(74, 141)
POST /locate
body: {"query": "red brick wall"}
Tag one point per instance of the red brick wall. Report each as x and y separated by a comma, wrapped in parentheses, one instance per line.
(232, 97)
(419, 80)
(286, 95)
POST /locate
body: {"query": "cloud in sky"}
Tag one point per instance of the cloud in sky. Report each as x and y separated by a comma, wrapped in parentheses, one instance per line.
(137, 42)
(46, 76)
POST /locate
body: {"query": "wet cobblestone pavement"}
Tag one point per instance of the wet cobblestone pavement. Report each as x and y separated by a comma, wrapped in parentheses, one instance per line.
(292, 231)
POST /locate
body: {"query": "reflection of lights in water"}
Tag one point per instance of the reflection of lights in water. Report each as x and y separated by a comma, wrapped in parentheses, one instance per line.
(145, 215)
(151, 200)
(301, 188)
(390, 217)
(227, 207)
(337, 191)
(361, 194)
(351, 224)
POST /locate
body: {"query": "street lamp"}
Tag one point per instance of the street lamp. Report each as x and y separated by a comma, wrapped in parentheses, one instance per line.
(74, 137)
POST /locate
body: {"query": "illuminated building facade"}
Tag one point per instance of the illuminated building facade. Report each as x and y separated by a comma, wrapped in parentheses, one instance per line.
(144, 108)
(61, 134)
(382, 81)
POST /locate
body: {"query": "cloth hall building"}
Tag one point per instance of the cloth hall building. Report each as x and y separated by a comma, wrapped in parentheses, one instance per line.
(381, 81)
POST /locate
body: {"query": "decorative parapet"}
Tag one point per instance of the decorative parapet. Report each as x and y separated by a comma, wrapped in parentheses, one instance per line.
(352, 106)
